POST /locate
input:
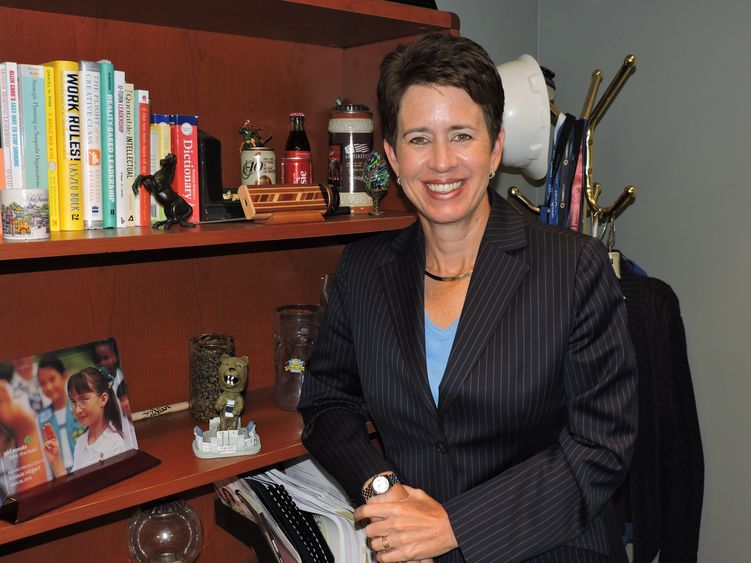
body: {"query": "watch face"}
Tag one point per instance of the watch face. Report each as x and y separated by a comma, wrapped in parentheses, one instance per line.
(381, 484)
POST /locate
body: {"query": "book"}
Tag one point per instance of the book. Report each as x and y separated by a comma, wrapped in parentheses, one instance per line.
(2, 157)
(68, 128)
(161, 145)
(91, 143)
(121, 203)
(11, 121)
(33, 125)
(142, 143)
(131, 199)
(107, 106)
(185, 148)
(51, 130)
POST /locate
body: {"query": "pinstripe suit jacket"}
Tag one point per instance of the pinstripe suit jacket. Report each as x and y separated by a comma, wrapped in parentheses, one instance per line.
(537, 413)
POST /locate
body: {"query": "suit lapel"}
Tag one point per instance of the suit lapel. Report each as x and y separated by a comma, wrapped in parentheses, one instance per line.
(496, 277)
(404, 288)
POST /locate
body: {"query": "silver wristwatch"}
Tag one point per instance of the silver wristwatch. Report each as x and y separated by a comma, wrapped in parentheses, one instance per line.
(379, 485)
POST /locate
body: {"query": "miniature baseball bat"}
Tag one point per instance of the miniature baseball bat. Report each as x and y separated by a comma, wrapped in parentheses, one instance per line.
(158, 411)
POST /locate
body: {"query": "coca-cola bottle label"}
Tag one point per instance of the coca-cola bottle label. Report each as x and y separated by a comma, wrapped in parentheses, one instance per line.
(297, 167)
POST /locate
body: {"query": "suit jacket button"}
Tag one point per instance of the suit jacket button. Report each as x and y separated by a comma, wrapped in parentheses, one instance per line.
(441, 447)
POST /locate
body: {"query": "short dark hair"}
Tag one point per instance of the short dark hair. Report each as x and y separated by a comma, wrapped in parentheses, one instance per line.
(444, 60)
(51, 361)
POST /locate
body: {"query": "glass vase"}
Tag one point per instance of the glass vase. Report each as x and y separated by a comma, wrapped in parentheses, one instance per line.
(169, 532)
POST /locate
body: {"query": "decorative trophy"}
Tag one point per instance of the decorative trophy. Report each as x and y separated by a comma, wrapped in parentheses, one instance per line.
(376, 178)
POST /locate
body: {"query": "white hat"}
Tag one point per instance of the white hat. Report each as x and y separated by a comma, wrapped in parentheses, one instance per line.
(526, 117)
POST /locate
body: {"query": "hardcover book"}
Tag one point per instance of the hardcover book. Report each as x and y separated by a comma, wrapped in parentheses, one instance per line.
(68, 127)
(185, 148)
(11, 125)
(51, 131)
(142, 144)
(91, 143)
(107, 107)
(161, 145)
(121, 201)
(33, 125)
(131, 200)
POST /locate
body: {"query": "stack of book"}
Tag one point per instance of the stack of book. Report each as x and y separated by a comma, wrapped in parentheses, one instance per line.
(81, 131)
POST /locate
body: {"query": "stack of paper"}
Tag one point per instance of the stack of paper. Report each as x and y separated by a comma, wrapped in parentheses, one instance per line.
(313, 491)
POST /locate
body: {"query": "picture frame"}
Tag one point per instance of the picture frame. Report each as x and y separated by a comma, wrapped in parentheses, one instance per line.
(65, 428)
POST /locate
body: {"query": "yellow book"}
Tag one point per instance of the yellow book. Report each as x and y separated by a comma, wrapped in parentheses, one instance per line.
(49, 111)
(68, 127)
(161, 145)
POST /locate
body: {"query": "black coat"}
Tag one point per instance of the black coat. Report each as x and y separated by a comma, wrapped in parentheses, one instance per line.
(664, 490)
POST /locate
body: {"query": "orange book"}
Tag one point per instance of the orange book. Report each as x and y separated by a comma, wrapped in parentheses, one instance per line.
(142, 136)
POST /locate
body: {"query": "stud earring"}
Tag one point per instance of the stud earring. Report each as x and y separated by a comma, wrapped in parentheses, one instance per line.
(492, 174)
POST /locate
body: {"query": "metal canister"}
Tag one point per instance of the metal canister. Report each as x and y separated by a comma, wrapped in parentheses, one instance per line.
(258, 166)
(350, 143)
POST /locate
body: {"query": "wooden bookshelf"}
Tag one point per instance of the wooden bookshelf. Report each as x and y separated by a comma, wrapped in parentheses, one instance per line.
(152, 290)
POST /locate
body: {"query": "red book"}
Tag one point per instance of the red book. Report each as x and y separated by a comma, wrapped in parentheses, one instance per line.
(185, 148)
(143, 132)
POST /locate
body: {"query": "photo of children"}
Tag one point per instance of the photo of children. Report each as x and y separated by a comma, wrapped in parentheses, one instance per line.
(79, 420)
(60, 428)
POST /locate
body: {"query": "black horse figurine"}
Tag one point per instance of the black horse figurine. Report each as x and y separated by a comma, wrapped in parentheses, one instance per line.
(159, 185)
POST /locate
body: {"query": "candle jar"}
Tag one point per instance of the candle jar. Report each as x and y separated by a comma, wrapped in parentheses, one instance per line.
(205, 357)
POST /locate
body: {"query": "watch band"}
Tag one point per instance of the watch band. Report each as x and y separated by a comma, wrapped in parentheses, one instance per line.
(369, 491)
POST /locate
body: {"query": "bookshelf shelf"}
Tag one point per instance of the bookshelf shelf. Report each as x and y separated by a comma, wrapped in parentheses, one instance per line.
(168, 438)
(109, 241)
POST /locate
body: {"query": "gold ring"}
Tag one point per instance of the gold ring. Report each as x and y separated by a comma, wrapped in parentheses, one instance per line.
(385, 542)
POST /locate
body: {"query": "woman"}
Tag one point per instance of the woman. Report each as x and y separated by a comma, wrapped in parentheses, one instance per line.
(491, 351)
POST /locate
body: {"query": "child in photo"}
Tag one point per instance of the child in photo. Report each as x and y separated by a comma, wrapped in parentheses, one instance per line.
(129, 432)
(105, 356)
(18, 433)
(96, 407)
(60, 429)
(20, 374)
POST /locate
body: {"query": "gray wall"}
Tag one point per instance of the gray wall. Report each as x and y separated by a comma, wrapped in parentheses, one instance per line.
(506, 29)
(678, 132)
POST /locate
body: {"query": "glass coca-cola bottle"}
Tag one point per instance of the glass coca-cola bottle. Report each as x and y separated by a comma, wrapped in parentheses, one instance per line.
(297, 165)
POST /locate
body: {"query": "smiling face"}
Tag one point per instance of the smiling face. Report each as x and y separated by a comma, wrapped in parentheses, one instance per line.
(233, 373)
(106, 358)
(444, 154)
(88, 407)
(53, 385)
